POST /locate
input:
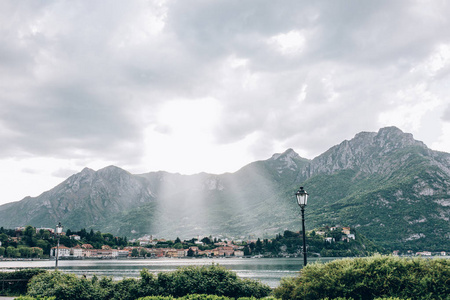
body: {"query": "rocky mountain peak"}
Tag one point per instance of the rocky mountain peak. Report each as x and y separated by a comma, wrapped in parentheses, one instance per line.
(391, 138)
(86, 172)
(286, 160)
(364, 150)
(288, 154)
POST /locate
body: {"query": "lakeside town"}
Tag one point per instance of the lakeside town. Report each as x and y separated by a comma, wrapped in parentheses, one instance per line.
(30, 242)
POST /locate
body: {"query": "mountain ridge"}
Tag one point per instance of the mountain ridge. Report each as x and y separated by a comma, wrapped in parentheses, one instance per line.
(361, 182)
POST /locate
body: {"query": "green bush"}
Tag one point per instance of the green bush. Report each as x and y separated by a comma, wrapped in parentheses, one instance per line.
(370, 278)
(63, 287)
(199, 297)
(15, 283)
(211, 280)
(32, 298)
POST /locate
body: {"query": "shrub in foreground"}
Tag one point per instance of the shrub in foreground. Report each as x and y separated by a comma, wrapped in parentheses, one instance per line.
(211, 280)
(370, 278)
(200, 297)
(15, 283)
(32, 298)
(63, 287)
(187, 297)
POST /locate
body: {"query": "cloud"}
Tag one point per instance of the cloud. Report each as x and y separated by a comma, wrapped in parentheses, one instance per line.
(92, 81)
(64, 173)
(446, 114)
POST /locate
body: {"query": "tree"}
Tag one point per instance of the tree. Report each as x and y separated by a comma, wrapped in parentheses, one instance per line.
(252, 246)
(25, 251)
(30, 231)
(82, 233)
(3, 238)
(258, 245)
(206, 240)
(29, 236)
(44, 245)
(134, 252)
(12, 252)
(45, 235)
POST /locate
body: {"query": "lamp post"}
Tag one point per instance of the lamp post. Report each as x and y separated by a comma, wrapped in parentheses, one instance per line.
(302, 199)
(58, 235)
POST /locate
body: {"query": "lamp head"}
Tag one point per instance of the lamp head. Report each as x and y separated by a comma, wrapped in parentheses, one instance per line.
(302, 197)
(59, 228)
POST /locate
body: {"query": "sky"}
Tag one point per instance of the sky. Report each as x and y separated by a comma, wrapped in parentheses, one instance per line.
(209, 86)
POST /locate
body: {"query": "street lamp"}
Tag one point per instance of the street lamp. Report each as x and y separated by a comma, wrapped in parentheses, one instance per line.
(58, 235)
(302, 199)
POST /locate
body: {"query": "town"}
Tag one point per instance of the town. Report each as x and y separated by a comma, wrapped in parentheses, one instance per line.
(327, 241)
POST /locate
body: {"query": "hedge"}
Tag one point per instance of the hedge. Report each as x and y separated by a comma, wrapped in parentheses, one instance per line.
(211, 280)
(15, 283)
(370, 278)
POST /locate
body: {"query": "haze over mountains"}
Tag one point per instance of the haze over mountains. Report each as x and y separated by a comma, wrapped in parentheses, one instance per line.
(392, 188)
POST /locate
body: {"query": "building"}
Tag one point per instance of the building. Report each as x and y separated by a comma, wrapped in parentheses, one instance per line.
(225, 251)
(76, 251)
(120, 253)
(346, 230)
(75, 237)
(63, 251)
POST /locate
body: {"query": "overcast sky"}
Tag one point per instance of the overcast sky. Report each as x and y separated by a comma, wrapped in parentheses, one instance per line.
(191, 86)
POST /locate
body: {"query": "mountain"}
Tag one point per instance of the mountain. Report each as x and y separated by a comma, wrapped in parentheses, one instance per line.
(392, 188)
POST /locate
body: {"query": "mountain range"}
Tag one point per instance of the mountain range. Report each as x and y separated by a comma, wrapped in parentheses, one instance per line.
(390, 187)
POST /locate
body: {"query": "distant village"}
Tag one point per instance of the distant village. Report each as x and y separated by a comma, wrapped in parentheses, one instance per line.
(23, 242)
(224, 249)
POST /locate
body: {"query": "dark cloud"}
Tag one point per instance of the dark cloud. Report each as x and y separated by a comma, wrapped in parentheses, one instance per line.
(81, 79)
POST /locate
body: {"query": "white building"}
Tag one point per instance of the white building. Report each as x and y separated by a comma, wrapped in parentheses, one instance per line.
(77, 251)
(63, 251)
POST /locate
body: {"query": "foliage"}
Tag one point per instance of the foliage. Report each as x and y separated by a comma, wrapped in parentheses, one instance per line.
(19, 281)
(33, 298)
(369, 278)
(291, 243)
(212, 280)
(63, 287)
(215, 280)
(200, 297)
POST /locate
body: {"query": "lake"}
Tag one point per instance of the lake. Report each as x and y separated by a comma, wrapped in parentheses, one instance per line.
(267, 270)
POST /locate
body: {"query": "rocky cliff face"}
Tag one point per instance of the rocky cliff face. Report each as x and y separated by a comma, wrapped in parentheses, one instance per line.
(367, 151)
(395, 189)
(82, 200)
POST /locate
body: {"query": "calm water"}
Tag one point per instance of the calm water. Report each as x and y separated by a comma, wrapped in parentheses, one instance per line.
(267, 270)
